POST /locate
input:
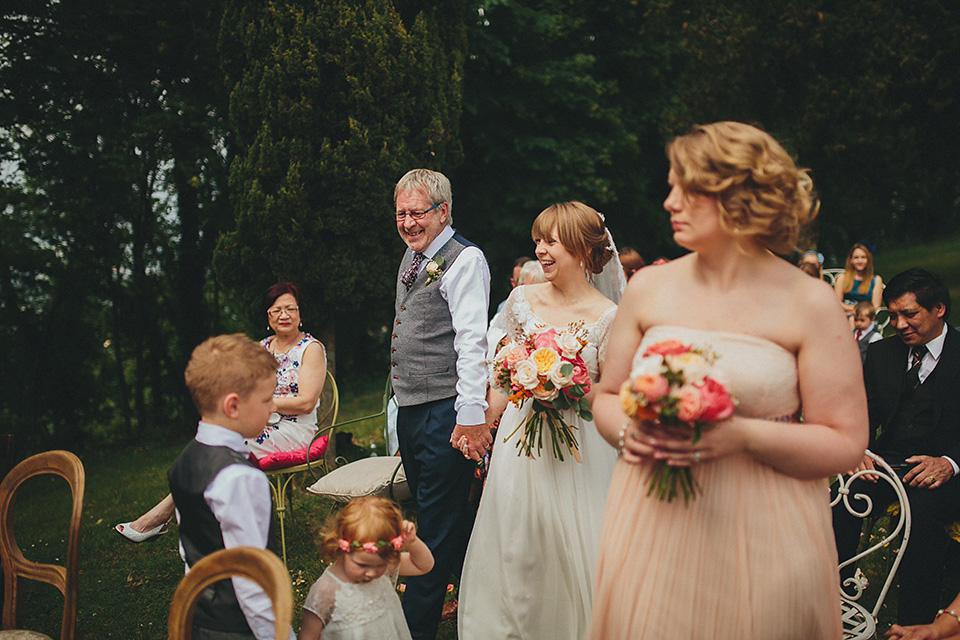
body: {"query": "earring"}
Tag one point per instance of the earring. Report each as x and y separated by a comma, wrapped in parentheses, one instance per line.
(300, 326)
(268, 327)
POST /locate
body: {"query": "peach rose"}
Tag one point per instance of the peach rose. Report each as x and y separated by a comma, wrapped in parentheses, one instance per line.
(667, 348)
(515, 353)
(627, 400)
(690, 404)
(651, 387)
(540, 393)
(546, 359)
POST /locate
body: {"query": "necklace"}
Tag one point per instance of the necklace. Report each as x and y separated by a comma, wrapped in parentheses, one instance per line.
(274, 348)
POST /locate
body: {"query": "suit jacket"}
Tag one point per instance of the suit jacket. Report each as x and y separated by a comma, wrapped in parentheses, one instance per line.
(884, 372)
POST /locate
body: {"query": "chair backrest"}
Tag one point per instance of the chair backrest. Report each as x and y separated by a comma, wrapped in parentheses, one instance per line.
(831, 275)
(862, 506)
(259, 565)
(329, 404)
(15, 565)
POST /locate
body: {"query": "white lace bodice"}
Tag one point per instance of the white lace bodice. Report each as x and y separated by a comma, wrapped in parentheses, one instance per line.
(518, 316)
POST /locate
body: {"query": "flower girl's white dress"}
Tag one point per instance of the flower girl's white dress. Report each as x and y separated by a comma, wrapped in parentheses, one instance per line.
(357, 611)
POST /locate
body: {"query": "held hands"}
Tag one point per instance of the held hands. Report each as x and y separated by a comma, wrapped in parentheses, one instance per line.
(471, 440)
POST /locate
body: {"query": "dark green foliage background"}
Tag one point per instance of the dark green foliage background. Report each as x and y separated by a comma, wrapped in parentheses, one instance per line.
(162, 163)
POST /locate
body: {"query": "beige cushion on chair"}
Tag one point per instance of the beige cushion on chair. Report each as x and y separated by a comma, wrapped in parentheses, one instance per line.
(365, 477)
(20, 634)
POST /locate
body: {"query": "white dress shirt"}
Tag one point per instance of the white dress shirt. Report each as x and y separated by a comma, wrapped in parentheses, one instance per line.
(465, 285)
(239, 498)
(927, 365)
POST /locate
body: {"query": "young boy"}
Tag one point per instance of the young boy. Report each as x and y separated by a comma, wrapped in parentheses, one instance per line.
(222, 500)
(865, 329)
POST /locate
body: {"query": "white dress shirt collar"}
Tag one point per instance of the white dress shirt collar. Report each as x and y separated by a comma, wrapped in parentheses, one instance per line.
(214, 435)
(438, 242)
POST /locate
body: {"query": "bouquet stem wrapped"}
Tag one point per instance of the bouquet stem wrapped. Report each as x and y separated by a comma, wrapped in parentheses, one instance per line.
(671, 384)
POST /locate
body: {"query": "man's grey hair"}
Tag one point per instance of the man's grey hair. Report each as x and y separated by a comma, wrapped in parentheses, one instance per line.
(436, 185)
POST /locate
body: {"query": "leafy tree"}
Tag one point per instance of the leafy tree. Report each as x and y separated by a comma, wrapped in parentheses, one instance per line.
(112, 120)
(331, 102)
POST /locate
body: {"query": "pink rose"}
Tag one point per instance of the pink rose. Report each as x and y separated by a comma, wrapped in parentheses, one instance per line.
(370, 547)
(344, 545)
(546, 339)
(667, 348)
(690, 403)
(717, 402)
(398, 541)
(651, 387)
(516, 354)
(580, 374)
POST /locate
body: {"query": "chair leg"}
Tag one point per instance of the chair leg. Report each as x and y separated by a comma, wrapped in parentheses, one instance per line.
(278, 485)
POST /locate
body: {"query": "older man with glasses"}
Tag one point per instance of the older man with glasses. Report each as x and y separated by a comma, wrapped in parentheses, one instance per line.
(439, 374)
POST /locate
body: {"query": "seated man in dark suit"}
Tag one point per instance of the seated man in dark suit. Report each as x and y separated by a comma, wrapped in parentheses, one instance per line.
(913, 395)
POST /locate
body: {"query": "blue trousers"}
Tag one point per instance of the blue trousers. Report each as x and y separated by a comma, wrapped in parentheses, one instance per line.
(439, 478)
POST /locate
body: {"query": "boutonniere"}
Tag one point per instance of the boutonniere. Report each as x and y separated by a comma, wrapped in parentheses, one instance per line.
(434, 269)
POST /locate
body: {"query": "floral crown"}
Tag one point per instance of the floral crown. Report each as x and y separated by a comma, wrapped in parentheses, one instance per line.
(348, 546)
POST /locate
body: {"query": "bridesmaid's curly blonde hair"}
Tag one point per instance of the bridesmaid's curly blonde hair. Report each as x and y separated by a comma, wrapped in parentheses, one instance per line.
(760, 191)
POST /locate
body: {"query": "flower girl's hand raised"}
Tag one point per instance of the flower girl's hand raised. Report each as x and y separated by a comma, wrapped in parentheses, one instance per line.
(409, 531)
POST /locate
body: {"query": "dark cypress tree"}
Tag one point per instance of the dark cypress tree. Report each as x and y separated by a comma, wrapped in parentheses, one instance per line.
(331, 102)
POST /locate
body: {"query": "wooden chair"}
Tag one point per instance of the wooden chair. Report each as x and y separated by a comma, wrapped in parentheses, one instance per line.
(15, 566)
(280, 479)
(259, 565)
(858, 621)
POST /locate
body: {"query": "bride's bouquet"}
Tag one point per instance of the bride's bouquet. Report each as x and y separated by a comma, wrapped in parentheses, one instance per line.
(672, 384)
(548, 368)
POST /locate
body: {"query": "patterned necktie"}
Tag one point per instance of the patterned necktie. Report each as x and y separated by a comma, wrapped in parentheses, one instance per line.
(913, 374)
(411, 273)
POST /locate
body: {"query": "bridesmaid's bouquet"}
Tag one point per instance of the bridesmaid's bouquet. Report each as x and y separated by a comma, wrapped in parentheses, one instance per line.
(671, 384)
(547, 367)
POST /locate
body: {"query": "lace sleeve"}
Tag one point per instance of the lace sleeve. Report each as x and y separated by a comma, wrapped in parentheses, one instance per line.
(603, 335)
(504, 323)
(322, 598)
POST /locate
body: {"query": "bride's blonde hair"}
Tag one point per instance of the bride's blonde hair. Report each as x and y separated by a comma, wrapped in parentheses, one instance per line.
(760, 191)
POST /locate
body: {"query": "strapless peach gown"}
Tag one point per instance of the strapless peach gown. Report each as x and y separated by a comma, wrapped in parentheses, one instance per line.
(750, 558)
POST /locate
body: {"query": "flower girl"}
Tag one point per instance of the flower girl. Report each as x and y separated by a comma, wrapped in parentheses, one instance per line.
(369, 544)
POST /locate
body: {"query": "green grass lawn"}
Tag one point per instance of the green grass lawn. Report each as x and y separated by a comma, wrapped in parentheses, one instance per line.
(942, 257)
(126, 588)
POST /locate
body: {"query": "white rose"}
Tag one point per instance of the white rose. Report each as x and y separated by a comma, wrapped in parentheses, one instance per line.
(525, 374)
(568, 344)
(556, 376)
(647, 366)
(433, 269)
(693, 365)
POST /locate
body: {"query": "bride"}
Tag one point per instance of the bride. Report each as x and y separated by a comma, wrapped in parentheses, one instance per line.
(529, 565)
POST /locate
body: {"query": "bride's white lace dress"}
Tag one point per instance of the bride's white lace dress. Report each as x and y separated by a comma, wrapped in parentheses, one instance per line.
(530, 563)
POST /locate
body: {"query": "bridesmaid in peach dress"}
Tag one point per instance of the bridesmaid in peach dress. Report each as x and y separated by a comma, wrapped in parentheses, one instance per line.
(751, 557)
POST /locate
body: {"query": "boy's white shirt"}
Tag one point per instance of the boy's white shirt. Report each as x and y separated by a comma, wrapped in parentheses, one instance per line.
(239, 497)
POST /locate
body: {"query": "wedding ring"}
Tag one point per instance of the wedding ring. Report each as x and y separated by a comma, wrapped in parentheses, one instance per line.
(696, 457)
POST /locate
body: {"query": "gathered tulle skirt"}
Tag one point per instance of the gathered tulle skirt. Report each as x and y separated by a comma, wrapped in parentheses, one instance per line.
(530, 563)
(751, 558)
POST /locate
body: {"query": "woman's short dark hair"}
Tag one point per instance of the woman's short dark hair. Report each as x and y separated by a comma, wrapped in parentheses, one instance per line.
(278, 290)
(927, 287)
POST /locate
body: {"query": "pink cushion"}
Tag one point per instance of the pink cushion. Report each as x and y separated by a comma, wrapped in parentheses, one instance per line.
(283, 459)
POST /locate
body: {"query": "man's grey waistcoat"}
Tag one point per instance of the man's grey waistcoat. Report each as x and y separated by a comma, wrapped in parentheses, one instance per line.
(423, 362)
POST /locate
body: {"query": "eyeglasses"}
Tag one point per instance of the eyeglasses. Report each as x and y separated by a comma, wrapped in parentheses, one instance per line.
(416, 215)
(276, 311)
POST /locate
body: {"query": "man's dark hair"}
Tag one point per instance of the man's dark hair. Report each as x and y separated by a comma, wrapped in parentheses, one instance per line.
(927, 287)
